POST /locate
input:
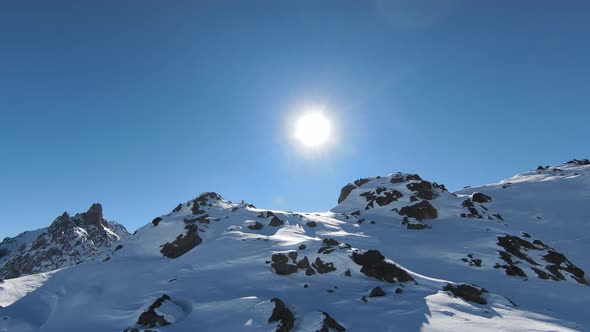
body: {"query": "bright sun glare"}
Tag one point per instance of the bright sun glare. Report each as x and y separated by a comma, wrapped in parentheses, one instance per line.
(313, 129)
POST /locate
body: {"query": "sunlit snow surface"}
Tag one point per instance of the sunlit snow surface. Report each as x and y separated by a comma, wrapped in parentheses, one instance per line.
(226, 283)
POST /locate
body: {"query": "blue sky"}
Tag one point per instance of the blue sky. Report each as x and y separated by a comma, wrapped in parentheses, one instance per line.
(141, 105)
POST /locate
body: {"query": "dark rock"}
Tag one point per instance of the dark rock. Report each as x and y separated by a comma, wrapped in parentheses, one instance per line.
(302, 247)
(346, 190)
(311, 224)
(481, 198)
(374, 265)
(293, 256)
(420, 211)
(93, 215)
(543, 275)
(183, 243)
(150, 318)
(156, 221)
(331, 323)
(303, 264)
(323, 267)
(356, 213)
(513, 270)
(372, 222)
(467, 292)
(416, 226)
(347, 273)
(514, 244)
(399, 290)
(364, 299)
(177, 208)
(256, 226)
(558, 260)
(422, 189)
(275, 222)
(377, 292)
(360, 182)
(118, 247)
(283, 315)
(413, 198)
(388, 197)
(281, 266)
(582, 162)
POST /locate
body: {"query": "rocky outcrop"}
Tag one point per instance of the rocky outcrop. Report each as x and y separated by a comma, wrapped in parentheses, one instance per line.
(420, 211)
(345, 191)
(467, 292)
(516, 248)
(183, 242)
(67, 241)
(422, 189)
(375, 266)
(150, 318)
(330, 323)
(480, 198)
(283, 315)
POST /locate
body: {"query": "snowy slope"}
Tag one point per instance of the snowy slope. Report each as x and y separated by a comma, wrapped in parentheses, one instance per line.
(397, 253)
(67, 241)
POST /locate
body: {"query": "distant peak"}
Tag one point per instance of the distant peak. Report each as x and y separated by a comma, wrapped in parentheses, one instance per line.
(94, 214)
(579, 162)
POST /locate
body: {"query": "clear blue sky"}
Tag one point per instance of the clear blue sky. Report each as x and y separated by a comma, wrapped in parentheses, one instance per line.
(141, 105)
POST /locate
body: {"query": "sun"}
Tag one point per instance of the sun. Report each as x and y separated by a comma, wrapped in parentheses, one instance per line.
(313, 129)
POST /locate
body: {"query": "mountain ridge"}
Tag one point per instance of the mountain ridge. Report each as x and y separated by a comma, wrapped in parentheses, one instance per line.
(397, 250)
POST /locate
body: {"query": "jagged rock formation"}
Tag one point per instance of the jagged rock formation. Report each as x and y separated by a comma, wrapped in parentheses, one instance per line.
(67, 241)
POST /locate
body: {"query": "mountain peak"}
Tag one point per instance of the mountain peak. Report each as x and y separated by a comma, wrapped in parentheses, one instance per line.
(94, 214)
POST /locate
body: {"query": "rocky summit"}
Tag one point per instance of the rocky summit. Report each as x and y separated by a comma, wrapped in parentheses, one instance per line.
(397, 252)
(67, 241)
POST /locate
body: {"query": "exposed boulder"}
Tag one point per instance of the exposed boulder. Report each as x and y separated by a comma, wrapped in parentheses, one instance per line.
(377, 292)
(375, 266)
(183, 243)
(255, 226)
(481, 198)
(150, 317)
(467, 292)
(280, 263)
(156, 221)
(311, 224)
(283, 315)
(420, 211)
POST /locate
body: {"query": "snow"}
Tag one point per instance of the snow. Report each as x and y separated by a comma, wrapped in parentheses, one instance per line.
(226, 283)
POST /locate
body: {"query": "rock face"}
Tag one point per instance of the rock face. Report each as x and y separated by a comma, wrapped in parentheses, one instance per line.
(516, 252)
(67, 241)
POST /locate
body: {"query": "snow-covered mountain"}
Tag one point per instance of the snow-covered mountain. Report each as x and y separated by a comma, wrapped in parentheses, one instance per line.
(397, 253)
(67, 241)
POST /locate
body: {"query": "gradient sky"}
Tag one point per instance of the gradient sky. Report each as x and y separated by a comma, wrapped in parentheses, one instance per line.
(141, 105)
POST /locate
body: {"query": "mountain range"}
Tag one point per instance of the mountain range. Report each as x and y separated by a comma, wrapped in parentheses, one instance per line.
(397, 253)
